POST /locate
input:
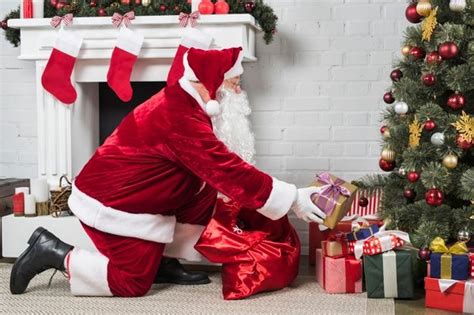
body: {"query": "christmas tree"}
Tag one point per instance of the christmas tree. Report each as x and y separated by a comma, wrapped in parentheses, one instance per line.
(428, 126)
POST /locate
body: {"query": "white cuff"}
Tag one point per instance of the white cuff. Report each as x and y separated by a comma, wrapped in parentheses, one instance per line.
(129, 41)
(68, 42)
(237, 68)
(280, 200)
(88, 273)
(185, 237)
(195, 38)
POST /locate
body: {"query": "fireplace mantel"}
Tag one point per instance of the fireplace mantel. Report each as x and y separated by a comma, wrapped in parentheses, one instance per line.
(69, 134)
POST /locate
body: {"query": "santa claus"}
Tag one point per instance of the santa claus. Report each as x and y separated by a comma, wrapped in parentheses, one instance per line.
(146, 194)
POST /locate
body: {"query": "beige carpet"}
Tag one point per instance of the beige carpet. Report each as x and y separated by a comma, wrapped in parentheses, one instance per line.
(304, 297)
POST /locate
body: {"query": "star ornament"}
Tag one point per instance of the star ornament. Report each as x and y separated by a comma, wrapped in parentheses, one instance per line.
(415, 133)
(465, 127)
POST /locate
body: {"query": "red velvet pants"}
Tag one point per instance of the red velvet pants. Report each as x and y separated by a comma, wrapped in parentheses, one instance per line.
(127, 266)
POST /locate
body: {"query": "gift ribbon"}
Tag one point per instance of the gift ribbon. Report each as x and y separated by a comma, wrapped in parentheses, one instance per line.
(185, 18)
(468, 300)
(389, 265)
(126, 19)
(353, 273)
(66, 19)
(385, 239)
(438, 245)
(330, 191)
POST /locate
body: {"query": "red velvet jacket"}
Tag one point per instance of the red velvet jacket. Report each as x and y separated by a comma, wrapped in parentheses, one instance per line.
(160, 156)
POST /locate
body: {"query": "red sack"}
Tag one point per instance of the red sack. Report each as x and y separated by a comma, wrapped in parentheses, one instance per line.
(257, 254)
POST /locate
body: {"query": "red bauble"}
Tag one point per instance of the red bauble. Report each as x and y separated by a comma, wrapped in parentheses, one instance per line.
(222, 7)
(456, 101)
(417, 53)
(409, 193)
(138, 2)
(434, 197)
(424, 254)
(54, 3)
(413, 176)
(386, 165)
(163, 8)
(429, 79)
(448, 50)
(363, 202)
(60, 5)
(382, 129)
(388, 98)
(463, 144)
(125, 2)
(396, 75)
(412, 15)
(101, 12)
(249, 6)
(429, 125)
(206, 7)
(4, 25)
(433, 58)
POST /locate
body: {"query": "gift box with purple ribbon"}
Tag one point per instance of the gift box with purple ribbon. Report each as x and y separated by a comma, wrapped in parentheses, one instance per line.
(335, 197)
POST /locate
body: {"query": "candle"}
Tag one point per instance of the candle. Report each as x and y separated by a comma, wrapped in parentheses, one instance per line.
(38, 9)
(30, 206)
(27, 9)
(39, 189)
(18, 204)
(25, 190)
(194, 5)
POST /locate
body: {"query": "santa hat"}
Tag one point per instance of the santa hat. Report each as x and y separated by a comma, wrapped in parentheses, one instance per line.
(211, 68)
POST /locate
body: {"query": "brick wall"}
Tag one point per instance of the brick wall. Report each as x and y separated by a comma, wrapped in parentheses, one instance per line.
(315, 91)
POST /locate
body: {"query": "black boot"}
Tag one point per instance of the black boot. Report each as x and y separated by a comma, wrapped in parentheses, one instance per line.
(46, 251)
(171, 271)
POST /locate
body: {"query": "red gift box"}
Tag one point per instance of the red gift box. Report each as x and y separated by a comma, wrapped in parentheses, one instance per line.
(372, 246)
(449, 295)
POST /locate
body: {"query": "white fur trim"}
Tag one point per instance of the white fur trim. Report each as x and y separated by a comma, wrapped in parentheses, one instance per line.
(152, 227)
(188, 71)
(213, 108)
(129, 41)
(185, 237)
(237, 68)
(186, 85)
(68, 42)
(193, 37)
(88, 273)
(280, 200)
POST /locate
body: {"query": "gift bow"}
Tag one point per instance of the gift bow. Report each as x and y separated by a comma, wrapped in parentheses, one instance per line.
(330, 190)
(385, 239)
(126, 19)
(359, 223)
(67, 19)
(439, 246)
(185, 18)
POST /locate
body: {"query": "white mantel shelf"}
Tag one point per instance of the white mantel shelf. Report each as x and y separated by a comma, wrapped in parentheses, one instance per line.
(162, 34)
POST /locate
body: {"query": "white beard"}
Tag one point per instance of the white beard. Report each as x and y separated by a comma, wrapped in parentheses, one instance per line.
(232, 125)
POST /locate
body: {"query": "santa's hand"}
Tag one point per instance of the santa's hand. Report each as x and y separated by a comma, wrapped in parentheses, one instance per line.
(304, 207)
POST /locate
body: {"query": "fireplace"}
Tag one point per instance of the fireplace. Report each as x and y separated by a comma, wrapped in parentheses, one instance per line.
(69, 135)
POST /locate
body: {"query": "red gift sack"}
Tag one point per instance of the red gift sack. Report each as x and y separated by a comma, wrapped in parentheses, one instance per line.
(257, 254)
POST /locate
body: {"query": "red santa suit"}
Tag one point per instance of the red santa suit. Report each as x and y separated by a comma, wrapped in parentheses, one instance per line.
(150, 189)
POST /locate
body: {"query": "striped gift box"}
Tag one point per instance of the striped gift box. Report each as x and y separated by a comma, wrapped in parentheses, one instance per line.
(371, 208)
(471, 257)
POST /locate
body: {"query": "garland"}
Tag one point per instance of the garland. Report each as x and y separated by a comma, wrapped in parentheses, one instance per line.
(263, 14)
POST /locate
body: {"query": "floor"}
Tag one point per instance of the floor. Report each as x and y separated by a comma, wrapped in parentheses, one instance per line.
(402, 307)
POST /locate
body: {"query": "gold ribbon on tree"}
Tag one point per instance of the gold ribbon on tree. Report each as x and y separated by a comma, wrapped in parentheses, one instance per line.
(438, 246)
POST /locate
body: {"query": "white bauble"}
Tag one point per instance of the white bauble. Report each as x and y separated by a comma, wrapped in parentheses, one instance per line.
(457, 5)
(437, 138)
(401, 108)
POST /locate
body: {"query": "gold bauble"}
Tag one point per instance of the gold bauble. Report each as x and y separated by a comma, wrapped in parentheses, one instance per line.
(450, 161)
(386, 133)
(423, 7)
(406, 50)
(146, 3)
(388, 155)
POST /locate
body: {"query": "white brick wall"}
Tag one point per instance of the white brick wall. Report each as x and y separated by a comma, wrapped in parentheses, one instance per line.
(315, 91)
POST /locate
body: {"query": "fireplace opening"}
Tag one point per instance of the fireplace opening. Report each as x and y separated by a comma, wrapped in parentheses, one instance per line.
(112, 110)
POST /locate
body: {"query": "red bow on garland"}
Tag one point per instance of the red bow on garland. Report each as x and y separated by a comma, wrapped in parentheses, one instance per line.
(67, 19)
(126, 19)
(185, 18)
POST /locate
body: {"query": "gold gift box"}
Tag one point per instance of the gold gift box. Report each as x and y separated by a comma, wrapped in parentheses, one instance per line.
(342, 203)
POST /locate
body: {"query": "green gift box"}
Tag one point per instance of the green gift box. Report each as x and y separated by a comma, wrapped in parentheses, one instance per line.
(389, 275)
